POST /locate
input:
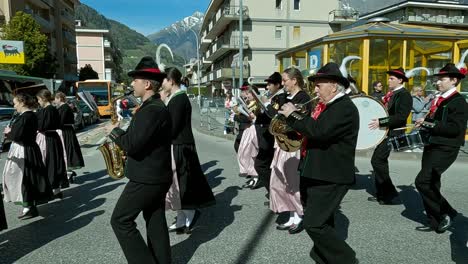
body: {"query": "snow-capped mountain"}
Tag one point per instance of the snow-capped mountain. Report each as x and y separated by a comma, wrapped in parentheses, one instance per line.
(179, 36)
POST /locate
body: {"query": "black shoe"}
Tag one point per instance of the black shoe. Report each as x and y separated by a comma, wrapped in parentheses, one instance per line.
(257, 185)
(296, 228)
(177, 229)
(30, 214)
(424, 228)
(248, 184)
(393, 201)
(194, 220)
(445, 224)
(58, 196)
(283, 227)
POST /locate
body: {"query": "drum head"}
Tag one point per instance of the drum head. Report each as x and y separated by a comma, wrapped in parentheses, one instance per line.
(369, 108)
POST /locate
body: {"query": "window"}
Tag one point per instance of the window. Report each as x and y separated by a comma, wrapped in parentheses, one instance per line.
(279, 4)
(297, 4)
(278, 31)
(296, 32)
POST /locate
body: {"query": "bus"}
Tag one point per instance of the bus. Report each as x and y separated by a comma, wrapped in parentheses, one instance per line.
(102, 92)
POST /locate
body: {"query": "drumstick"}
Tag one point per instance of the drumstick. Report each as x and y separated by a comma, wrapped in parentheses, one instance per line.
(403, 128)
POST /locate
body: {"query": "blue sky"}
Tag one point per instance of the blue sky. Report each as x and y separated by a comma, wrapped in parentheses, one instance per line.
(147, 16)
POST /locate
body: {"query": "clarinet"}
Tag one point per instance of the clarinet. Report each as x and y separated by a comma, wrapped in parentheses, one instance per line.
(13, 118)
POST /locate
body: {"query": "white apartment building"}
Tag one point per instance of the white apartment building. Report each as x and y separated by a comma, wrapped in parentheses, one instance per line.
(269, 26)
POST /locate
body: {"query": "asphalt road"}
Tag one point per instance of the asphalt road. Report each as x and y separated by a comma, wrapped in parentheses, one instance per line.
(239, 228)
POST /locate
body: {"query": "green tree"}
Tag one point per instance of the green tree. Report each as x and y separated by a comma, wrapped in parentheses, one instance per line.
(87, 73)
(23, 27)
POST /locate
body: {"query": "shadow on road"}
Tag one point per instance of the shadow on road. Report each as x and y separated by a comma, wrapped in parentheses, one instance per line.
(459, 239)
(414, 209)
(212, 222)
(364, 182)
(59, 218)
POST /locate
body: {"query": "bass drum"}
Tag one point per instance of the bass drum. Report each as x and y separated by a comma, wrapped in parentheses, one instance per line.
(369, 108)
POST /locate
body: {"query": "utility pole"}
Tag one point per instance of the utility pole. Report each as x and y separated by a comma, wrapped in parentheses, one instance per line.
(241, 43)
(198, 65)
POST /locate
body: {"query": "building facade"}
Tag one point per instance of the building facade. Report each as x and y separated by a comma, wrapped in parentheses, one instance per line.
(268, 28)
(94, 48)
(57, 21)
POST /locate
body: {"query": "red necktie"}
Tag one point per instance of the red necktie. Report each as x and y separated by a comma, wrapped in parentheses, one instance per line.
(319, 108)
(387, 97)
(436, 102)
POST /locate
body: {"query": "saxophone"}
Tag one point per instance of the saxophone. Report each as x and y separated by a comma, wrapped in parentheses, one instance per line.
(114, 156)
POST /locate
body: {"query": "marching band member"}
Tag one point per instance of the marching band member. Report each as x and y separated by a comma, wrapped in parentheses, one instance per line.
(3, 221)
(243, 121)
(147, 144)
(248, 145)
(190, 186)
(284, 181)
(399, 102)
(24, 175)
(446, 124)
(50, 142)
(265, 142)
(72, 146)
(327, 170)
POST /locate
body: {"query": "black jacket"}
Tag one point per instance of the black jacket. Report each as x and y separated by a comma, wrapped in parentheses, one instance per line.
(399, 108)
(300, 98)
(244, 122)
(147, 143)
(448, 126)
(278, 100)
(66, 115)
(180, 110)
(331, 142)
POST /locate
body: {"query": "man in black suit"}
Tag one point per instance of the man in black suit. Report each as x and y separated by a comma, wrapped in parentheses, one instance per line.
(146, 143)
(327, 170)
(399, 104)
(446, 124)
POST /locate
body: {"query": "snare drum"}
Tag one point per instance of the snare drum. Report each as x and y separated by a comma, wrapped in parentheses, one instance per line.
(415, 139)
(369, 108)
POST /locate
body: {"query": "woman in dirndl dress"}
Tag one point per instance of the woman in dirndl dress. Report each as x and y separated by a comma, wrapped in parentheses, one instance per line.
(25, 180)
(190, 190)
(50, 143)
(74, 157)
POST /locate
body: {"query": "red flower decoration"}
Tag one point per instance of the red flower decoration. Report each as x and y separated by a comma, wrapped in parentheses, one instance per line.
(463, 71)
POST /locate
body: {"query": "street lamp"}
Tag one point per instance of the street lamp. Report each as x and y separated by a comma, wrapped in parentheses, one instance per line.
(198, 65)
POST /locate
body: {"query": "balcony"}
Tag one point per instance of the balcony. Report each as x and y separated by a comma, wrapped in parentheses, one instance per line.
(429, 19)
(45, 24)
(44, 4)
(68, 18)
(343, 17)
(226, 74)
(220, 47)
(224, 17)
(69, 37)
(205, 43)
(107, 44)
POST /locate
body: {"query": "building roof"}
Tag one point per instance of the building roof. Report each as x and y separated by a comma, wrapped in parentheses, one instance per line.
(389, 30)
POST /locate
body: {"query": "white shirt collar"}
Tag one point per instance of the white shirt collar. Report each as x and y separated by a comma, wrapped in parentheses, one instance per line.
(396, 89)
(341, 94)
(449, 92)
(291, 96)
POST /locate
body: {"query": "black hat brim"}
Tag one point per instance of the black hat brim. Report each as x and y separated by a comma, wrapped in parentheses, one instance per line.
(398, 75)
(450, 74)
(148, 75)
(341, 80)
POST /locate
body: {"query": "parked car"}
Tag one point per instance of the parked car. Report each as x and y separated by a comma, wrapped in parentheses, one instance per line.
(6, 113)
(90, 116)
(79, 119)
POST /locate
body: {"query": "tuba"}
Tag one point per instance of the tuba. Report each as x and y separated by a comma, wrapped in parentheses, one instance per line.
(286, 137)
(114, 156)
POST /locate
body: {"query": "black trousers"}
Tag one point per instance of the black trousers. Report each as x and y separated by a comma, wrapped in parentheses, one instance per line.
(436, 160)
(322, 200)
(3, 222)
(149, 199)
(385, 190)
(265, 155)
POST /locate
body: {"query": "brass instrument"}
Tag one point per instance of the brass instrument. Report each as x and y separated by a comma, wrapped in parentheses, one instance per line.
(253, 107)
(286, 137)
(114, 156)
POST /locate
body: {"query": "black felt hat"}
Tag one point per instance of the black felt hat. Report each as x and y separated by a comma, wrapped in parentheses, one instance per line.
(330, 71)
(452, 71)
(275, 78)
(399, 73)
(148, 68)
